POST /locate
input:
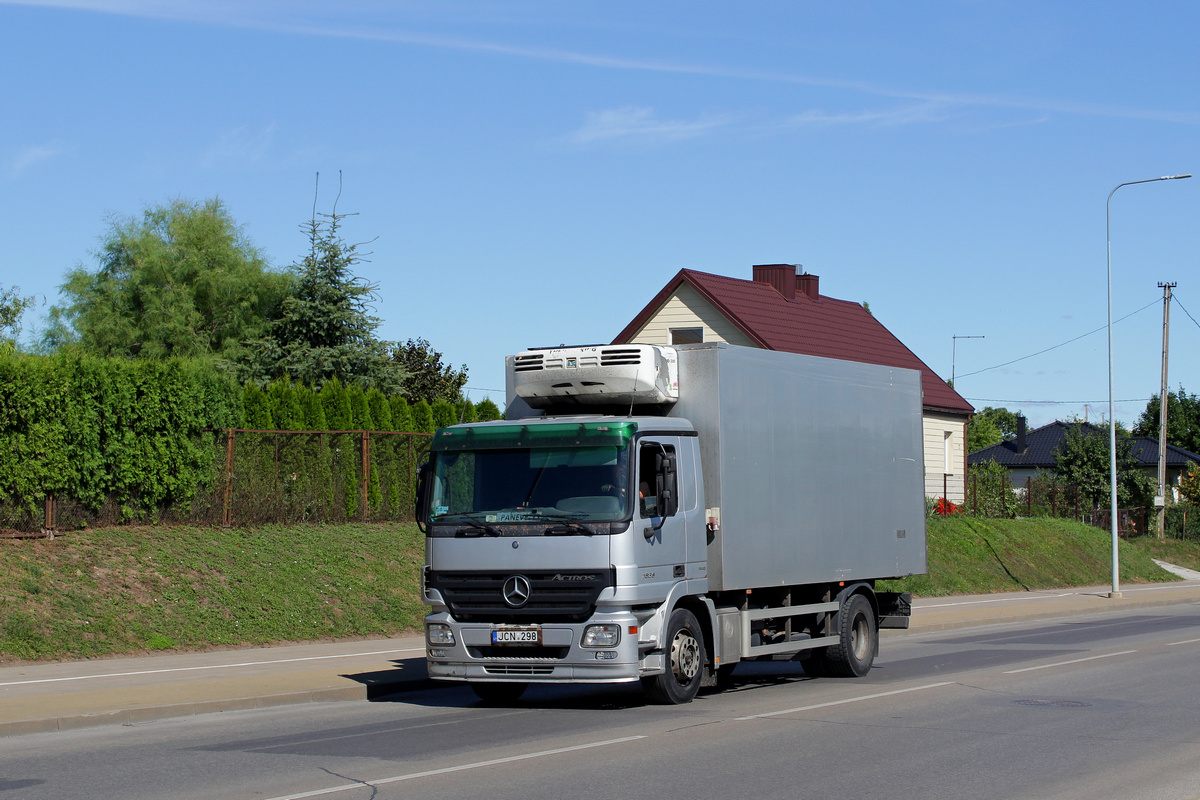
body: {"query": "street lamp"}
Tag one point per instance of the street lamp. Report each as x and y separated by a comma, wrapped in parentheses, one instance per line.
(1112, 412)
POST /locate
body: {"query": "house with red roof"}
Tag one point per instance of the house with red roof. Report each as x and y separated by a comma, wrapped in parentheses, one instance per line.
(782, 309)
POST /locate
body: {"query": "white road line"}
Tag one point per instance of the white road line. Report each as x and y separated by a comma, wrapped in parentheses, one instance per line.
(997, 600)
(1188, 641)
(1072, 661)
(851, 700)
(208, 666)
(476, 765)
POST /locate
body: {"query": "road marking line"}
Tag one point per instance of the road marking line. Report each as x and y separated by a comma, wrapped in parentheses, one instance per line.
(851, 700)
(1072, 661)
(445, 770)
(208, 666)
(1189, 641)
(997, 600)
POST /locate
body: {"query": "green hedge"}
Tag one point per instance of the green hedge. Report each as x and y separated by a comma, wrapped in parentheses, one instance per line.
(137, 433)
(114, 440)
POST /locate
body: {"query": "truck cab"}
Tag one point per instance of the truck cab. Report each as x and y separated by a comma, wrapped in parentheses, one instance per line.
(555, 541)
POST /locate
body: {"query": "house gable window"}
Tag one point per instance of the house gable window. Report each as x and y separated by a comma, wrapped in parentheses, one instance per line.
(687, 335)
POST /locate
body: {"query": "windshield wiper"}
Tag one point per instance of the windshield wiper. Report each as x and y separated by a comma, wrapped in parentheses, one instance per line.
(490, 530)
(567, 528)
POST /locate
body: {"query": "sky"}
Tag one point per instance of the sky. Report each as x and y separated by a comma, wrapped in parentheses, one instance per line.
(532, 172)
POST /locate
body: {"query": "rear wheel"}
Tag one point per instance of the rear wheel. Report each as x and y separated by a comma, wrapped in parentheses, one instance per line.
(498, 693)
(853, 655)
(685, 661)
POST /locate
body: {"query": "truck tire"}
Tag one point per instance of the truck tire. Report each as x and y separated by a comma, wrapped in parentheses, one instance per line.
(498, 693)
(853, 655)
(685, 662)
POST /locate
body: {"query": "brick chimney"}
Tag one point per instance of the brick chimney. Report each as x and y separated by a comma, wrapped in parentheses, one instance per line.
(808, 284)
(781, 276)
(1021, 444)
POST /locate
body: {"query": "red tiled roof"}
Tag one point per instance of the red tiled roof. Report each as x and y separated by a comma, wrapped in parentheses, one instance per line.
(822, 327)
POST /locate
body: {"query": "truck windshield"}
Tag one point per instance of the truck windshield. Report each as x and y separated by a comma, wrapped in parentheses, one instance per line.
(530, 484)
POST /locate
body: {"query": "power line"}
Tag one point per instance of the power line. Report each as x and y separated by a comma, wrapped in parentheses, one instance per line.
(1068, 341)
(1054, 402)
(1175, 297)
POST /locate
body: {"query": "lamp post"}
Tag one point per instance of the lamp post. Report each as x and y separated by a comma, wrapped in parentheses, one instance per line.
(1112, 412)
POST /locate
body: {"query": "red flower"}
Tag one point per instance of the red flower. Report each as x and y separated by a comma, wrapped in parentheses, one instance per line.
(945, 508)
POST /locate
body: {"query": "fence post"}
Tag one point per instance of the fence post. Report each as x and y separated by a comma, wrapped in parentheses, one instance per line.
(50, 524)
(1029, 497)
(227, 517)
(366, 471)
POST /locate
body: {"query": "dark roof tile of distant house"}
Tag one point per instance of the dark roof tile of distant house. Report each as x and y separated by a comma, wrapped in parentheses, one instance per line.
(785, 312)
(1042, 443)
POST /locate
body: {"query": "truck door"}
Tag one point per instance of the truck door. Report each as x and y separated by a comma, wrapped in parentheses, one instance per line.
(662, 544)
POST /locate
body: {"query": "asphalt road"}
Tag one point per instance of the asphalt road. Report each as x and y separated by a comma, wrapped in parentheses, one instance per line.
(1088, 707)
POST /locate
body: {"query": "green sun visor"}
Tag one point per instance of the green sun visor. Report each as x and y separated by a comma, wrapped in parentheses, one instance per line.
(551, 434)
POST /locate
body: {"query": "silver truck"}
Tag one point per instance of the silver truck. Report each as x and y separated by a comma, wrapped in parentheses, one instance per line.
(659, 514)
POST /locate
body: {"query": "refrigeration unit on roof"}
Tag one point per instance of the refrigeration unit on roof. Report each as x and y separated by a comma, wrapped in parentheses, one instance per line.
(632, 374)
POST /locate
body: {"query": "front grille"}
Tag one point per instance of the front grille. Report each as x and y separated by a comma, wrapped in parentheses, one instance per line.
(518, 670)
(508, 651)
(553, 597)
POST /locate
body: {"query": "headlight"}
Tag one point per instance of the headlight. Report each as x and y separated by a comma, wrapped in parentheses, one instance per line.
(601, 635)
(438, 634)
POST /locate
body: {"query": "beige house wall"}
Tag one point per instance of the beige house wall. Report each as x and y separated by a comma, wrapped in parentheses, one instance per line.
(945, 456)
(686, 308)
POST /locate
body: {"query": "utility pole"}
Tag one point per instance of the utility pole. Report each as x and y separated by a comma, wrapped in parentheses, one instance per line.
(1161, 500)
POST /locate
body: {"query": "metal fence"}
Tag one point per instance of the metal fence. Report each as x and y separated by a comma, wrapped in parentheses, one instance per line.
(1048, 496)
(259, 477)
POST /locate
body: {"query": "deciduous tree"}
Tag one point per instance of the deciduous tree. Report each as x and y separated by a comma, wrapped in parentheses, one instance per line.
(1082, 460)
(182, 279)
(428, 378)
(13, 306)
(1183, 420)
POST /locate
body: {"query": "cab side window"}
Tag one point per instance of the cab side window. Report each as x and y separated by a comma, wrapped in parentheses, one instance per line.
(658, 495)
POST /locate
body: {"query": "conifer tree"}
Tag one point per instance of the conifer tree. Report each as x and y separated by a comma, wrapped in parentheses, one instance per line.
(487, 411)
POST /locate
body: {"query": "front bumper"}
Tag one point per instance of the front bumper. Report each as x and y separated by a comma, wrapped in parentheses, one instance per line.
(561, 659)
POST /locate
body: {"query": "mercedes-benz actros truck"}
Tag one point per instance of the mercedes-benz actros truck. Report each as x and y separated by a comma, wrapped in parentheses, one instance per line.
(660, 514)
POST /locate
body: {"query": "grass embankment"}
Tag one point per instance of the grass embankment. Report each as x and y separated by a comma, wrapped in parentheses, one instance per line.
(129, 590)
(125, 590)
(976, 556)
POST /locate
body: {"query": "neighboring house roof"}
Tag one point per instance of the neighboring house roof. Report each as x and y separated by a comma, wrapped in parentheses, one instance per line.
(781, 311)
(1042, 443)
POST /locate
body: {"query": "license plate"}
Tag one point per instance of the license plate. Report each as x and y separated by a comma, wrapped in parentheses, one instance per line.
(519, 636)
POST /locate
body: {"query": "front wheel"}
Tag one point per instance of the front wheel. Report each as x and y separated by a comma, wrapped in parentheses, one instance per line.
(685, 666)
(858, 641)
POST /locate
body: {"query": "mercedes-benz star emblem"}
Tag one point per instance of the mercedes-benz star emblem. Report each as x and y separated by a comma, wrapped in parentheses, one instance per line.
(516, 591)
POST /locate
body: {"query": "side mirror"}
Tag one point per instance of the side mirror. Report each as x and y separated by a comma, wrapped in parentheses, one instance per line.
(668, 491)
(421, 509)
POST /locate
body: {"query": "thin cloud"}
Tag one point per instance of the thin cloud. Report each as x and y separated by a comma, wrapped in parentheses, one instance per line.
(921, 113)
(274, 15)
(641, 124)
(238, 146)
(37, 154)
